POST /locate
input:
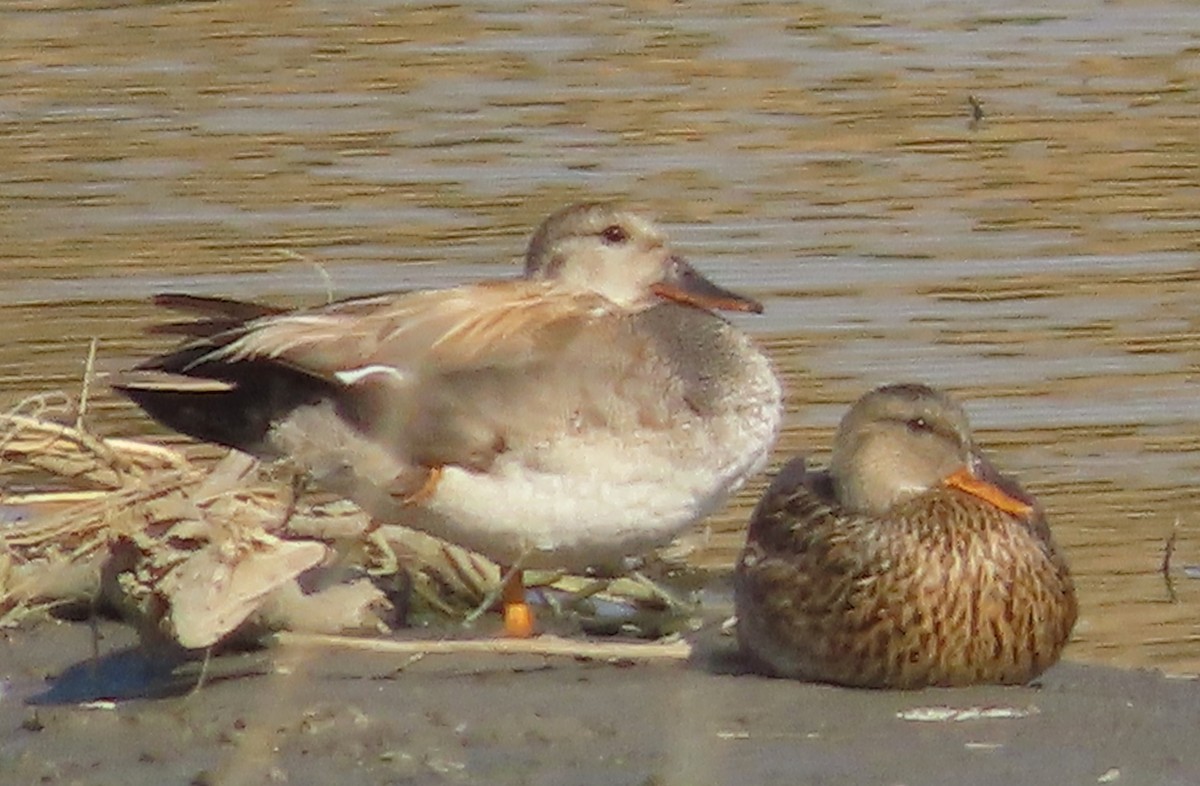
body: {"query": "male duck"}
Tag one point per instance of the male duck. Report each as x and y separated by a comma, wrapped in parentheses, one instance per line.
(584, 413)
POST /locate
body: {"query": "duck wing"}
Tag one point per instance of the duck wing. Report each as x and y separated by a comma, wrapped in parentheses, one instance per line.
(428, 375)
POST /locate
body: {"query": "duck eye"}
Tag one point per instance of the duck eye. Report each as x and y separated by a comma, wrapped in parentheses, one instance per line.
(614, 235)
(916, 425)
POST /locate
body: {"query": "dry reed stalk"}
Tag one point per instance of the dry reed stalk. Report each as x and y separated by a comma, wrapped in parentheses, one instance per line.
(673, 650)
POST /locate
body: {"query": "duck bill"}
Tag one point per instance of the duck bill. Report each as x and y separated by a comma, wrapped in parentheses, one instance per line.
(686, 285)
(967, 480)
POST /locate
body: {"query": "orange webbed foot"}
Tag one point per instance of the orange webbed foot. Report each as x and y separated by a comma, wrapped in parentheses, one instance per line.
(518, 616)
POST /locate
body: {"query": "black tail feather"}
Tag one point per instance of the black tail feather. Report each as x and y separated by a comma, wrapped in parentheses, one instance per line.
(239, 310)
(216, 315)
(261, 392)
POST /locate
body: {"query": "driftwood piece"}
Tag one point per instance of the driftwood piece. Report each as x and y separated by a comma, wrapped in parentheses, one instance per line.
(189, 552)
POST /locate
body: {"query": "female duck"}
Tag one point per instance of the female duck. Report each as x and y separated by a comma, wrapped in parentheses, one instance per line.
(910, 562)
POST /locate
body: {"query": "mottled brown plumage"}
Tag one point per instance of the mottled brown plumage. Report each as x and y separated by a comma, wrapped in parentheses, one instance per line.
(908, 577)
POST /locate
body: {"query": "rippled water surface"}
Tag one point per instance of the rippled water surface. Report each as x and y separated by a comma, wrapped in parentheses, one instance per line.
(1041, 259)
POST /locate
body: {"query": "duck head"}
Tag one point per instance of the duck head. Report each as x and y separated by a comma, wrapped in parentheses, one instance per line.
(900, 441)
(618, 252)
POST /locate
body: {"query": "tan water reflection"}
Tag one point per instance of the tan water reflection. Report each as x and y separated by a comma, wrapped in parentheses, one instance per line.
(1041, 262)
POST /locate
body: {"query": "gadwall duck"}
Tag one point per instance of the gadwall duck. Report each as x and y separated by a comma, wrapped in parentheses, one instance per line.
(910, 562)
(582, 414)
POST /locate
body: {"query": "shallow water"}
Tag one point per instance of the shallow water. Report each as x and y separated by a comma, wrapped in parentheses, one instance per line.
(1041, 261)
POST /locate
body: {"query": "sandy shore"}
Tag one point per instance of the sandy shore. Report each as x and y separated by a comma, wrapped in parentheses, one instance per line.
(303, 715)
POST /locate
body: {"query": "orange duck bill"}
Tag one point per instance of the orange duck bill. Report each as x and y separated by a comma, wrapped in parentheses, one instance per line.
(976, 484)
(684, 284)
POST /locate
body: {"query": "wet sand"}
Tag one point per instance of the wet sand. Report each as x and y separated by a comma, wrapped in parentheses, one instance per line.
(317, 717)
